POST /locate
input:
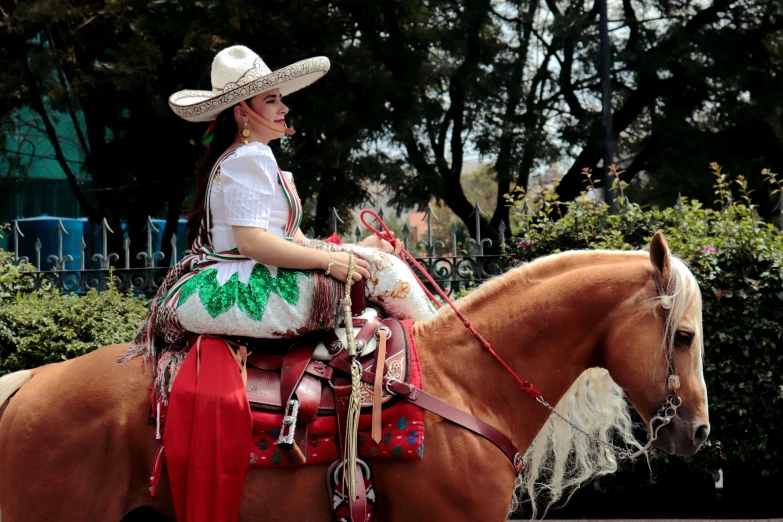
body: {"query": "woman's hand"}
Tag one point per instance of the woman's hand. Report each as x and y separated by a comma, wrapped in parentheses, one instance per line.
(339, 271)
(378, 243)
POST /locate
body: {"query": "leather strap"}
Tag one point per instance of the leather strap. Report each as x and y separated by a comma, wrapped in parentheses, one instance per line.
(296, 455)
(358, 303)
(672, 380)
(358, 505)
(435, 405)
(240, 356)
(380, 367)
(294, 365)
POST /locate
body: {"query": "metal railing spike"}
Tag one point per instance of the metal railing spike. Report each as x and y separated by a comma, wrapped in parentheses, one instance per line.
(335, 218)
(18, 233)
(105, 258)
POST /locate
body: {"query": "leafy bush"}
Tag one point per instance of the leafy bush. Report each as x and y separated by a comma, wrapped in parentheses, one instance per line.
(738, 260)
(42, 327)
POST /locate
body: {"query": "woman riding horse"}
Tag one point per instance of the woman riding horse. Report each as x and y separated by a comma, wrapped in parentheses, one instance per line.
(252, 274)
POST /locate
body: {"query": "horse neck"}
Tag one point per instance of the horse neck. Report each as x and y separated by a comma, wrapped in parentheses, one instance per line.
(544, 321)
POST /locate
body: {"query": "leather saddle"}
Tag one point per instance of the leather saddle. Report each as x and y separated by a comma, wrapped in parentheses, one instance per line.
(297, 377)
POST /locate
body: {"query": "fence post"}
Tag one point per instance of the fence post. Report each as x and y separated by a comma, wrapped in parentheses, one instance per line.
(335, 219)
(105, 258)
(429, 215)
(526, 214)
(173, 249)
(60, 260)
(38, 247)
(480, 242)
(429, 246)
(149, 256)
(82, 248)
(126, 248)
(17, 233)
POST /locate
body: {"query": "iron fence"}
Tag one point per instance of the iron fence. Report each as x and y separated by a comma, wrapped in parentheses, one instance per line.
(454, 266)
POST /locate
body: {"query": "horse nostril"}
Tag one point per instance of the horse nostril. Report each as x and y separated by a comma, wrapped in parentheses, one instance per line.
(702, 432)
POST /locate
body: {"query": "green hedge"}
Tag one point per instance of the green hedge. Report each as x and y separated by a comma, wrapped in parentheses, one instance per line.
(738, 260)
(42, 327)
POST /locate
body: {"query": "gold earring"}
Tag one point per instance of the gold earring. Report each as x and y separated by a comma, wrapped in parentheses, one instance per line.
(245, 134)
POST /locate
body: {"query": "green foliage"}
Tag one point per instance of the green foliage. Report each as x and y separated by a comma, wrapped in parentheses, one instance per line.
(11, 275)
(738, 260)
(42, 327)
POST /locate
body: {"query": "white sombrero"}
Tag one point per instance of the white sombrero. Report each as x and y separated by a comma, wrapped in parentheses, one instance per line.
(239, 74)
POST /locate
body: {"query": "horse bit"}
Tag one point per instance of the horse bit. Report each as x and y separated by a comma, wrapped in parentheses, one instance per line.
(665, 413)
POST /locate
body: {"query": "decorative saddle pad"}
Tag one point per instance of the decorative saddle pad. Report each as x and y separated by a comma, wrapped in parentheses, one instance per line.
(402, 422)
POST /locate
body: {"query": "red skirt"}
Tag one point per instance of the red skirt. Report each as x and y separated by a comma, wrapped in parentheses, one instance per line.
(208, 435)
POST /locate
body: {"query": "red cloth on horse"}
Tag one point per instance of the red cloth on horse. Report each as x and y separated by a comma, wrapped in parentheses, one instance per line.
(208, 432)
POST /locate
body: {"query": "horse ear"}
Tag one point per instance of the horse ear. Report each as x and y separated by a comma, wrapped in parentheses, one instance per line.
(660, 256)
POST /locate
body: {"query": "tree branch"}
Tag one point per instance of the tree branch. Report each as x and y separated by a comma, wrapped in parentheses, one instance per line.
(68, 99)
(38, 106)
(650, 88)
(507, 136)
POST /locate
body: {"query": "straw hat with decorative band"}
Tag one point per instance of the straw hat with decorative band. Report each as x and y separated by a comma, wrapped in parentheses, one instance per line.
(239, 74)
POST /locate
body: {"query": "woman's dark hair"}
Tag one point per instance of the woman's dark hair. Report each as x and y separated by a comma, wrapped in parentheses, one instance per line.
(225, 132)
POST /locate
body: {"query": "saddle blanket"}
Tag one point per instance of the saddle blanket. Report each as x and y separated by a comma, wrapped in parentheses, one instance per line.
(402, 434)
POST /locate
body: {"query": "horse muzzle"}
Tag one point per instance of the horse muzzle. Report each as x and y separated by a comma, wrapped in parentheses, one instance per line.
(682, 437)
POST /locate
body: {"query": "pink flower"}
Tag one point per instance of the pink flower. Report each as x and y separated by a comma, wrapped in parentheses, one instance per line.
(708, 249)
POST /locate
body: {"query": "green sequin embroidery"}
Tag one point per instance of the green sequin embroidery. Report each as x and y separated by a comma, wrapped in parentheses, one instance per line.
(251, 298)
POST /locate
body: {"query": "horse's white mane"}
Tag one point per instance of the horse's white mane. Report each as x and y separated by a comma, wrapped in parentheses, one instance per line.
(560, 459)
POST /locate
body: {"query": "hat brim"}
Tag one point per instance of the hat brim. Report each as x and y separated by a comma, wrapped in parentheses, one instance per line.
(198, 106)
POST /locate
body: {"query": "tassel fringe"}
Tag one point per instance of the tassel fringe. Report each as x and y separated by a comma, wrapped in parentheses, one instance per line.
(324, 312)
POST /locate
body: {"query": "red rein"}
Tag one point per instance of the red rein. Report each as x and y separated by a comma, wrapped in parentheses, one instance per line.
(408, 259)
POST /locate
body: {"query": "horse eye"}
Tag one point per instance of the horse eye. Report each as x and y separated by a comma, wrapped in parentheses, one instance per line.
(683, 338)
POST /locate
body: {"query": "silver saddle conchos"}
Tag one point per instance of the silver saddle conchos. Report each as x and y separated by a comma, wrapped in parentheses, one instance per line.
(322, 351)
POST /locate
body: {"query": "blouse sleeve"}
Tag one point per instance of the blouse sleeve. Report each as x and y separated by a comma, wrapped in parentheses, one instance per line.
(248, 179)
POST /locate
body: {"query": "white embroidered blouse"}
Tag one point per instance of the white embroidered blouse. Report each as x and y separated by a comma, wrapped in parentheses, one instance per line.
(247, 194)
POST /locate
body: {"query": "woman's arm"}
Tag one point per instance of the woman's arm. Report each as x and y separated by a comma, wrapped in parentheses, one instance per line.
(371, 241)
(263, 247)
(299, 236)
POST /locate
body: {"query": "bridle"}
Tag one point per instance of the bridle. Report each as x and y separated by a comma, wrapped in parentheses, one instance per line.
(668, 409)
(662, 417)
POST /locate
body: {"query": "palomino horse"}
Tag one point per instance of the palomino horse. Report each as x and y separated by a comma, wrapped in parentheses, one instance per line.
(75, 443)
